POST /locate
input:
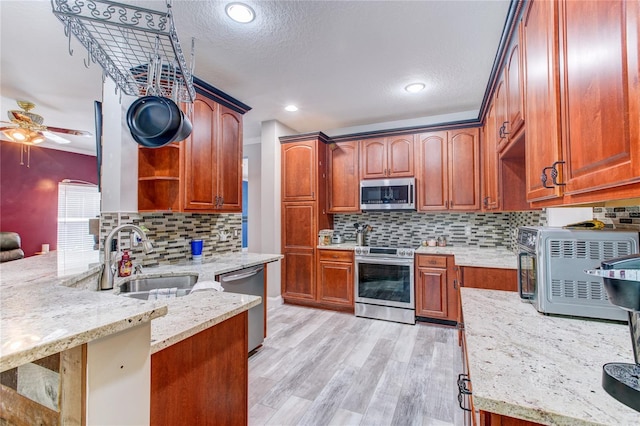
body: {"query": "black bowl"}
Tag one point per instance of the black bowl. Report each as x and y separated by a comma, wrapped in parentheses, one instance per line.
(154, 121)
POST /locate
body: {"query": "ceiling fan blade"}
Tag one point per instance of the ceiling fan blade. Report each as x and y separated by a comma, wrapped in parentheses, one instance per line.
(69, 131)
(55, 138)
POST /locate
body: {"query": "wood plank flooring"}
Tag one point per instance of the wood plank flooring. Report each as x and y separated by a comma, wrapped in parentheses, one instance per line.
(320, 367)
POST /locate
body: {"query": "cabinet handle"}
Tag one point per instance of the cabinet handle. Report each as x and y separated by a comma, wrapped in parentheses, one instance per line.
(554, 175)
(543, 178)
(463, 379)
(503, 130)
(313, 194)
(486, 202)
(446, 204)
(455, 284)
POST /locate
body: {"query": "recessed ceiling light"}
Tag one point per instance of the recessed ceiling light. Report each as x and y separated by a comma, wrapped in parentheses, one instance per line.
(240, 12)
(291, 108)
(414, 87)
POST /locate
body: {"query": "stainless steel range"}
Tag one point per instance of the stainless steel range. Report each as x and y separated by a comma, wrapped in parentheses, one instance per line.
(384, 284)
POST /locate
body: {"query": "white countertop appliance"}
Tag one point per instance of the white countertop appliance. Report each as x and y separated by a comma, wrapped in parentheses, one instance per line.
(551, 265)
(384, 284)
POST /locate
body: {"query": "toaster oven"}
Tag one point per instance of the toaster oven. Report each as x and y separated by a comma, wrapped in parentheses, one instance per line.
(551, 265)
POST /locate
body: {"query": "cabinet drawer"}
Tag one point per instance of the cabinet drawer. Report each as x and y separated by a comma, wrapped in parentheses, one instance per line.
(432, 261)
(336, 255)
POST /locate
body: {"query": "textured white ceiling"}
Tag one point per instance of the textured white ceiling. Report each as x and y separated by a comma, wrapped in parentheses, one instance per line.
(344, 63)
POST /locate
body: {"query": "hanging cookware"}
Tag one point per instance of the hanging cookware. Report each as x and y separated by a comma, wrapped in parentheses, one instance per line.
(155, 121)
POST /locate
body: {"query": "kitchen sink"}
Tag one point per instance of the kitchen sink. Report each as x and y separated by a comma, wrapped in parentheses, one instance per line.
(140, 287)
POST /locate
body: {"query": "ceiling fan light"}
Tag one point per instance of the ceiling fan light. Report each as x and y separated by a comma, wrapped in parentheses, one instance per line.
(17, 135)
(240, 12)
(37, 138)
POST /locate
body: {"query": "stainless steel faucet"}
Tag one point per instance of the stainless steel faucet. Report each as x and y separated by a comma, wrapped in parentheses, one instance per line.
(109, 268)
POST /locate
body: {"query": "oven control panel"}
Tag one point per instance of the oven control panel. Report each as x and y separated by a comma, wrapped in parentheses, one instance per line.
(384, 252)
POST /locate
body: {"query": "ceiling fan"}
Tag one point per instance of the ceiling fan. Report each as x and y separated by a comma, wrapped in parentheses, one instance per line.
(26, 127)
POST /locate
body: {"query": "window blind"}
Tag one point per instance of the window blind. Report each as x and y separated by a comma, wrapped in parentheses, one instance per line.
(77, 203)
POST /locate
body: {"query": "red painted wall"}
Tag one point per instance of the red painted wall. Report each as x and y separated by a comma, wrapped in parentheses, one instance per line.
(29, 195)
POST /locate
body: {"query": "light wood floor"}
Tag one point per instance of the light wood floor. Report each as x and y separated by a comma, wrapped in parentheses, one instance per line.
(320, 367)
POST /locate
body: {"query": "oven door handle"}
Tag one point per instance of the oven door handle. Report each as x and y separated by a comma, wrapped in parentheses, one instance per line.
(523, 295)
(386, 261)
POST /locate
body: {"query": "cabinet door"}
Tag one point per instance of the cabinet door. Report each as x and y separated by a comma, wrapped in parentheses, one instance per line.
(400, 156)
(343, 182)
(464, 169)
(229, 164)
(490, 161)
(335, 283)
(515, 88)
(200, 157)
(431, 162)
(299, 171)
(600, 94)
(373, 158)
(298, 246)
(502, 113)
(431, 293)
(541, 88)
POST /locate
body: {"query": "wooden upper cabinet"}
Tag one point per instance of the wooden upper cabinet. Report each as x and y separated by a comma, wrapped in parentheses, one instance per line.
(600, 94)
(386, 157)
(299, 171)
(501, 111)
(432, 182)
(373, 158)
(229, 164)
(343, 178)
(213, 159)
(464, 169)
(448, 165)
(490, 197)
(540, 50)
(201, 156)
(515, 86)
(400, 156)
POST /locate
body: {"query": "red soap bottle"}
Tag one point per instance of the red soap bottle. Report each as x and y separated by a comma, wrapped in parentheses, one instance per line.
(125, 265)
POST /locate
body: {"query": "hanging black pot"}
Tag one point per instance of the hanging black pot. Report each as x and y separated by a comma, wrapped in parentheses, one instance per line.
(155, 121)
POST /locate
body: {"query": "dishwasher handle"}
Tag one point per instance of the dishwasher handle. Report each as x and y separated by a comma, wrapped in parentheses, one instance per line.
(242, 275)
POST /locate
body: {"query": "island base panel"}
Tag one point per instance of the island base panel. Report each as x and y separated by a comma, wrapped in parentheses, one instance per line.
(203, 380)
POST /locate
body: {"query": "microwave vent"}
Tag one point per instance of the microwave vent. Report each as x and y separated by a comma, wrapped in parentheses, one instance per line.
(593, 250)
(578, 289)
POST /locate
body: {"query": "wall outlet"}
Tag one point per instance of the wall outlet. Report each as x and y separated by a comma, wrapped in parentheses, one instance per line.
(467, 230)
(237, 232)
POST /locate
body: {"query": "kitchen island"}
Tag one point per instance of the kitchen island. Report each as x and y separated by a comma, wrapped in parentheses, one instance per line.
(42, 314)
(539, 368)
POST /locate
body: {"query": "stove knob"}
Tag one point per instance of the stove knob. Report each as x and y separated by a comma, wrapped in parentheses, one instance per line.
(400, 252)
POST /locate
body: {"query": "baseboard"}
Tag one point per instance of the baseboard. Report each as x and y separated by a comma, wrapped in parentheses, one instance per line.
(274, 301)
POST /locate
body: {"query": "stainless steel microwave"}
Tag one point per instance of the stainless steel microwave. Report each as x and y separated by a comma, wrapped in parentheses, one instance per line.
(388, 194)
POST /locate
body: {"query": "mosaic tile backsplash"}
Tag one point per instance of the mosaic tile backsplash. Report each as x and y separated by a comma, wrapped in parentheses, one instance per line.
(619, 217)
(171, 234)
(409, 229)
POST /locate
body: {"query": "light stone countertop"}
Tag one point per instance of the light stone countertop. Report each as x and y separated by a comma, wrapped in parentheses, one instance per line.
(41, 314)
(546, 369)
(481, 257)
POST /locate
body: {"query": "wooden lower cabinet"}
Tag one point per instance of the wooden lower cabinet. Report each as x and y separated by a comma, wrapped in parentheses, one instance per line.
(203, 380)
(335, 278)
(489, 278)
(493, 419)
(436, 288)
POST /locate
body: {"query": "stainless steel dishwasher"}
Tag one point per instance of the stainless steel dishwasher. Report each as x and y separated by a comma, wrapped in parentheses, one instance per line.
(249, 281)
